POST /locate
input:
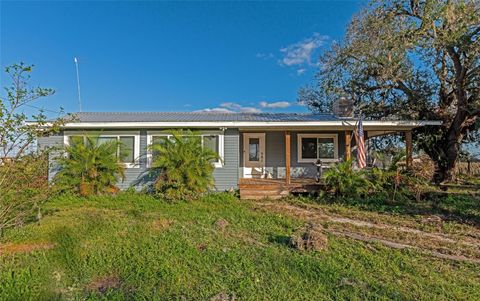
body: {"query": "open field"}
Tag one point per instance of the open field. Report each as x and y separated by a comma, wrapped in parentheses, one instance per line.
(137, 248)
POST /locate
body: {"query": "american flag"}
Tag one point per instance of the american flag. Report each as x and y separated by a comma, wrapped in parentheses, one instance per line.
(361, 155)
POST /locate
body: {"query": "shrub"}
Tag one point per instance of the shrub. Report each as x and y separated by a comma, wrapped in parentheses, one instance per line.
(386, 184)
(183, 168)
(90, 167)
(23, 188)
(412, 186)
(382, 180)
(23, 173)
(346, 181)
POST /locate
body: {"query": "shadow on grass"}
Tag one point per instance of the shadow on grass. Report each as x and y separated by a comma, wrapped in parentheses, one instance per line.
(282, 240)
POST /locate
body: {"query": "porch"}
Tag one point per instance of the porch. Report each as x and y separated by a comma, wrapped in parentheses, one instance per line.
(277, 163)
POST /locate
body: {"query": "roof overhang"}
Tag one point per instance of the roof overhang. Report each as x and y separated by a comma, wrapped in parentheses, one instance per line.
(378, 125)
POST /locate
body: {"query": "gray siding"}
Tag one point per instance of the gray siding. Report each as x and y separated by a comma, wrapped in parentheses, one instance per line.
(275, 154)
(138, 177)
(54, 143)
(226, 177)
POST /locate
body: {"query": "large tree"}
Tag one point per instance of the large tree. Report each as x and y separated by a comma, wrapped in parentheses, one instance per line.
(411, 60)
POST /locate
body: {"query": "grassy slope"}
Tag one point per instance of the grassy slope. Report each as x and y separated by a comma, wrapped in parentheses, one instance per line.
(165, 251)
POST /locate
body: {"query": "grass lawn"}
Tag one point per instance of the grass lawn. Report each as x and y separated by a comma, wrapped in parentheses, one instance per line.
(137, 248)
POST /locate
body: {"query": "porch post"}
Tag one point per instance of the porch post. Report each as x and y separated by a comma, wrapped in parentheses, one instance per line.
(287, 157)
(348, 149)
(409, 148)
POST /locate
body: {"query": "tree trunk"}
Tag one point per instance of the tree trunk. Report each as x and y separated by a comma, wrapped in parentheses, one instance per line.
(449, 148)
(444, 172)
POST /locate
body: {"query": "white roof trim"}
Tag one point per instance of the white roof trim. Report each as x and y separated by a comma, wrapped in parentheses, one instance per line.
(393, 124)
(252, 124)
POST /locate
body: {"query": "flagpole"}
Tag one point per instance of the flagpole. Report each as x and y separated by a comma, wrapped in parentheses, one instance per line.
(78, 84)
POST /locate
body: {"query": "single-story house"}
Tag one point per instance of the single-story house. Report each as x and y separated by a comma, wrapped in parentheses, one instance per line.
(261, 153)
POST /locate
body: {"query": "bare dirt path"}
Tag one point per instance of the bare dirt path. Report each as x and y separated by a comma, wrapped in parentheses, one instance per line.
(441, 245)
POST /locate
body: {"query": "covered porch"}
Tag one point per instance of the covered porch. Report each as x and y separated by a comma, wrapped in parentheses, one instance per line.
(275, 163)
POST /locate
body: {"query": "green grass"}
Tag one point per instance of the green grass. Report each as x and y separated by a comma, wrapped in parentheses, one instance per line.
(159, 251)
(463, 206)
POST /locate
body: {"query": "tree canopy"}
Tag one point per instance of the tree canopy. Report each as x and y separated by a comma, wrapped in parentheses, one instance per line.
(410, 60)
(16, 134)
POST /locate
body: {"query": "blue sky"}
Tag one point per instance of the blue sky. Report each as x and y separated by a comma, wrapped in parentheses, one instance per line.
(175, 56)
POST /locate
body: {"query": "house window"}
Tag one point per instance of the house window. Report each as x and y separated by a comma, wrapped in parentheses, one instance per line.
(312, 147)
(213, 141)
(72, 140)
(253, 149)
(158, 139)
(127, 150)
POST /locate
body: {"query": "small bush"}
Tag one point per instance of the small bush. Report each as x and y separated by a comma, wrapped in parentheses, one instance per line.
(345, 181)
(90, 167)
(183, 167)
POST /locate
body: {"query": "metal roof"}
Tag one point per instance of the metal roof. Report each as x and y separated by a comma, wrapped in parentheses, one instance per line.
(199, 117)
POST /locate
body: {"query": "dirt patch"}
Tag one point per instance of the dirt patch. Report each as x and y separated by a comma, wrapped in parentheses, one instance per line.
(12, 248)
(353, 283)
(401, 246)
(201, 247)
(309, 238)
(436, 243)
(104, 284)
(222, 224)
(318, 214)
(162, 224)
(224, 297)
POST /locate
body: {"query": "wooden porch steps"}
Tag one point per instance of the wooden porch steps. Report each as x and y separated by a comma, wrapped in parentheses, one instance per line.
(275, 188)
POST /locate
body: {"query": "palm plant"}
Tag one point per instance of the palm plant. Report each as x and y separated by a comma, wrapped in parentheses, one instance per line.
(346, 181)
(399, 155)
(183, 167)
(90, 167)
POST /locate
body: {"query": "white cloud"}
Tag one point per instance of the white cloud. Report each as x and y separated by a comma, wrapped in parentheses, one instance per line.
(274, 105)
(233, 107)
(301, 53)
(301, 71)
(239, 108)
(215, 110)
(250, 110)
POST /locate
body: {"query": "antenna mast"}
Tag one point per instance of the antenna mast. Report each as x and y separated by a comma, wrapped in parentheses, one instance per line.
(78, 84)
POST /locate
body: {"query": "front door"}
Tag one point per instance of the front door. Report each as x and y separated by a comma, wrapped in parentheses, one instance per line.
(254, 155)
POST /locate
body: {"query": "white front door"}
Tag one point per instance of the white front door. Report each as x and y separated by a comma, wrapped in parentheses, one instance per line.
(254, 155)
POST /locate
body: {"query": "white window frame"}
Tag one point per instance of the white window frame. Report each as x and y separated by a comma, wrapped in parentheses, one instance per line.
(136, 143)
(299, 147)
(221, 144)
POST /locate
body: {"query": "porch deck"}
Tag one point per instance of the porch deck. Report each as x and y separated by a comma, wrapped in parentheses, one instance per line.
(259, 188)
